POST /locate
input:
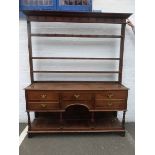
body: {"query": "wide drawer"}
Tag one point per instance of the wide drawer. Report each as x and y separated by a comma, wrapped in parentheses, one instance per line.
(111, 95)
(86, 104)
(43, 105)
(76, 96)
(42, 96)
(111, 104)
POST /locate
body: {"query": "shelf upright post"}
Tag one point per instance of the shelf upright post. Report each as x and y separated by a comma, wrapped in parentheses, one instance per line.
(121, 51)
(30, 50)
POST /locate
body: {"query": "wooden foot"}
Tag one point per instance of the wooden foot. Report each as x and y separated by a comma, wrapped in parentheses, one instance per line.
(29, 135)
(122, 134)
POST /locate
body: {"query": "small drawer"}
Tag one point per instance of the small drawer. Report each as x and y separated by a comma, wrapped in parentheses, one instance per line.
(86, 104)
(111, 104)
(42, 96)
(76, 96)
(111, 95)
(43, 105)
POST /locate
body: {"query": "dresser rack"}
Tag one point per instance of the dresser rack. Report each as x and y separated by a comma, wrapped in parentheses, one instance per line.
(76, 106)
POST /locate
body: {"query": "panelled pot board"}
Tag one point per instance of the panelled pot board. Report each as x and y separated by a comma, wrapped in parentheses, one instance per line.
(76, 107)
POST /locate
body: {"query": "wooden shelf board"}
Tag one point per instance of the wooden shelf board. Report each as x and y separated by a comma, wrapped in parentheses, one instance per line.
(44, 125)
(60, 86)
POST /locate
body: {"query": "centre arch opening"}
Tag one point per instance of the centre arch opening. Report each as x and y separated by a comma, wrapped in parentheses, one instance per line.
(77, 112)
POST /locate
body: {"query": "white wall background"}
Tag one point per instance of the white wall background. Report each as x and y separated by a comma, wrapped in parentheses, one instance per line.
(79, 47)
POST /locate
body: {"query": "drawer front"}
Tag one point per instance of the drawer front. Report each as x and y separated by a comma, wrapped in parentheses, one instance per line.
(43, 105)
(111, 95)
(42, 96)
(76, 96)
(111, 104)
(87, 104)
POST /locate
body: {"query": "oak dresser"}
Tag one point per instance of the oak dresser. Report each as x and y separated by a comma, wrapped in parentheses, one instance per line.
(76, 106)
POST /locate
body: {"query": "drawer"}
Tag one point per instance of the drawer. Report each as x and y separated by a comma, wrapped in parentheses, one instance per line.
(42, 96)
(111, 95)
(111, 104)
(43, 105)
(87, 104)
(76, 96)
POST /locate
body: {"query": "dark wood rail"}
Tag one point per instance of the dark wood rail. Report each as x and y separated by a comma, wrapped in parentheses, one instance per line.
(76, 72)
(75, 35)
(78, 58)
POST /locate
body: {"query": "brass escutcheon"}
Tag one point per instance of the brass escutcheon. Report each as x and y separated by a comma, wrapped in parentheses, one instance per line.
(76, 96)
(43, 95)
(43, 105)
(110, 95)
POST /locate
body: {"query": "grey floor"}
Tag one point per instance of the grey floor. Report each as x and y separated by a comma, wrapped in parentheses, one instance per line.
(79, 144)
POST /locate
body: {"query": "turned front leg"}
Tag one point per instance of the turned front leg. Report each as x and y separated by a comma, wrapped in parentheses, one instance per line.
(29, 124)
(123, 120)
(123, 124)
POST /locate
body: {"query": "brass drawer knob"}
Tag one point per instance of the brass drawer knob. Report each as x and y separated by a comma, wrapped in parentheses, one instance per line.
(43, 96)
(76, 96)
(110, 95)
(110, 104)
(43, 105)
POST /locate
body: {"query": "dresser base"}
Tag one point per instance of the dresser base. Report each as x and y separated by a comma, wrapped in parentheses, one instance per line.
(76, 107)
